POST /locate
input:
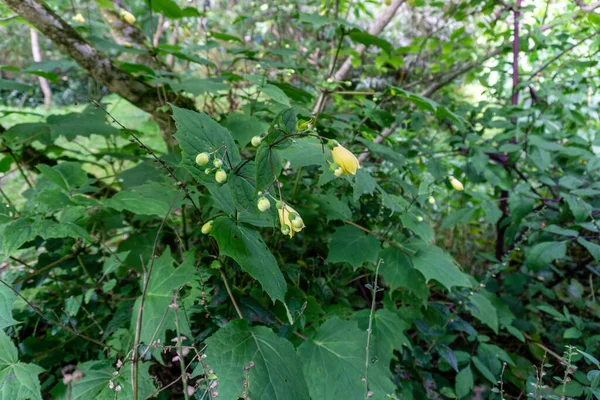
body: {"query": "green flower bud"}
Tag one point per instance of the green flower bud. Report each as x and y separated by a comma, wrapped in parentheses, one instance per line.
(431, 200)
(263, 204)
(202, 159)
(207, 227)
(217, 163)
(256, 141)
(215, 264)
(221, 176)
(298, 223)
(285, 230)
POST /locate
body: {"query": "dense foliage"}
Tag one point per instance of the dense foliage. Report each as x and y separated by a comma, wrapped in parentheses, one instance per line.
(326, 199)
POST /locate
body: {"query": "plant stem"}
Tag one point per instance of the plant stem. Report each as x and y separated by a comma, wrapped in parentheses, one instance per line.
(179, 349)
(235, 305)
(370, 329)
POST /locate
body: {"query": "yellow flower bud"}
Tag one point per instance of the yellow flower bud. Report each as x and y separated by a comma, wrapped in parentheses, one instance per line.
(127, 44)
(456, 184)
(127, 16)
(290, 221)
(431, 200)
(387, 2)
(202, 159)
(221, 176)
(345, 159)
(207, 227)
(256, 141)
(263, 204)
(79, 18)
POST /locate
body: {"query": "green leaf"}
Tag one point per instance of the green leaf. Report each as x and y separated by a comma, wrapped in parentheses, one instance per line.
(388, 333)
(284, 123)
(593, 248)
(363, 184)
(149, 199)
(244, 127)
(464, 382)
(198, 133)
(436, 264)
(352, 245)
(484, 311)
(460, 216)
(332, 208)
(420, 228)
(96, 378)
(14, 85)
(398, 271)
(158, 316)
(485, 371)
(305, 151)
(334, 363)
(268, 166)
(167, 7)
(580, 209)
(276, 374)
(24, 230)
(276, 94)
(7, 298)
(247, 248)
(18, 380)
(367, 39)
(68, 175)
(542, 254)
(85, 123)
(199, 86)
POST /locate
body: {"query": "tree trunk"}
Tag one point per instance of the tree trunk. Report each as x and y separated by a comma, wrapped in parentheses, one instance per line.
(100, 67)
(37, 57)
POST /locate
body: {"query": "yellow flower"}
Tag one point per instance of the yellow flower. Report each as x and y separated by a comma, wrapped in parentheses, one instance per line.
(79, 18)
(289, 219)
(345, 159)
(456, 184)
(127, 16)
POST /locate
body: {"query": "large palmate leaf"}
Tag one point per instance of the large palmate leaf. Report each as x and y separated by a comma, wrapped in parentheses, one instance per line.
(18, 380)
(97, 376)
(436, 264)
(247, 248)
(350, 244)
(158, 316)
(334, 364)
(397, 271)
(276, 374)
(388, 333)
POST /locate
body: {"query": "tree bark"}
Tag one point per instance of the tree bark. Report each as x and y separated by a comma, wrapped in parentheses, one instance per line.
(99, 66)
(37, 57)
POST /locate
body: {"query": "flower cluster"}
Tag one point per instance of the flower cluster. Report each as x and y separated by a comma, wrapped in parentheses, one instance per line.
(220, 174)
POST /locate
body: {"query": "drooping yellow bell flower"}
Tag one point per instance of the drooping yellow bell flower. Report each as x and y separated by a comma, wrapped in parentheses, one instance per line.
(290, 220)
(345, 159)
(127, 16)
(456, 184)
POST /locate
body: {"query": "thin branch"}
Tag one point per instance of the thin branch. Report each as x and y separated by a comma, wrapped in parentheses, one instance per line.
(235, 305)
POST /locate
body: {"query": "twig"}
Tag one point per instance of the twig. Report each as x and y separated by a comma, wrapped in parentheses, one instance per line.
(374, 288)
(235, 305)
